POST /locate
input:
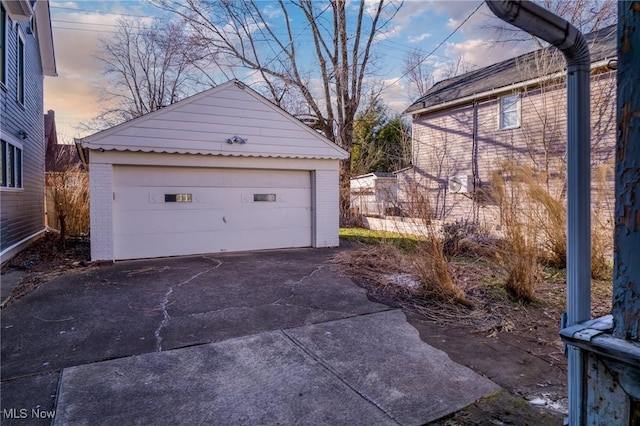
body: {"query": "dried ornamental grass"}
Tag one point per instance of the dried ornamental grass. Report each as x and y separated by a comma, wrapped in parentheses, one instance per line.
(519, 252)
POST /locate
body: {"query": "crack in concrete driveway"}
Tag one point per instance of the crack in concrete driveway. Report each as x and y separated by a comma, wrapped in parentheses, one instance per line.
(164, 304)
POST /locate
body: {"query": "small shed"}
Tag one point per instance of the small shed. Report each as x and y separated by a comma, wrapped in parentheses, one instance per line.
(374, 194)
(223, 170)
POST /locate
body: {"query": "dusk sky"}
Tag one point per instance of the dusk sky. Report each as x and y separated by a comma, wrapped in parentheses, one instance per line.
(422, 25)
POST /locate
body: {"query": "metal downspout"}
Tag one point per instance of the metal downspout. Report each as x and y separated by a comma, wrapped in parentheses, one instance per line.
(555, 30)
(474, 163)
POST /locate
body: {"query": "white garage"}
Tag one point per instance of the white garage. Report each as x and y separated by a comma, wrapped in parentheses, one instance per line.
(224, 170)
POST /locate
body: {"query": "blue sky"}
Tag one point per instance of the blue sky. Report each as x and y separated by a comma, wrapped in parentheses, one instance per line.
(420, 24)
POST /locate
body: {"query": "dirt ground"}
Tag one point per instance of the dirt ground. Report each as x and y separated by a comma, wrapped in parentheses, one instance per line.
(514, 344)
(46, 259)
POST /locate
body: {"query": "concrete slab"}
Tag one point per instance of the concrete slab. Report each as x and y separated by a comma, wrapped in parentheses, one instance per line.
(237, 338)
(8, 282)
(261, 379)
(365, 370)
(29, 401)
(137, 307)
(382, 357)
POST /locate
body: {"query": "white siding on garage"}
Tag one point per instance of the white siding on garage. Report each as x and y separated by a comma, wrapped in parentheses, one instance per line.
(184, 149)
(222, 214)
(201, 124)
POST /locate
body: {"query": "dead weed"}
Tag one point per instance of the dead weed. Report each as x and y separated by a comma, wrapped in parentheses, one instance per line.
(386, 272)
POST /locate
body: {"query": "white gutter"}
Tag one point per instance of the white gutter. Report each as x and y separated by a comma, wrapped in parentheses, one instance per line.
(45, 38)
(504, 89)
(542, 23)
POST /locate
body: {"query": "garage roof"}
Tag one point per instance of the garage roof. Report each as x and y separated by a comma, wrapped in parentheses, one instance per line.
(230, 120)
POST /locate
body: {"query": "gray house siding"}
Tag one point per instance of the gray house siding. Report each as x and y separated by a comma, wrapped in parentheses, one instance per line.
(22, 209)
(445, 146)
(457, 132)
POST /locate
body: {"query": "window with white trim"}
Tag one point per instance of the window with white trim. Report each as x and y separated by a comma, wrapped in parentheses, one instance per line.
(11, 158)
(20, 69)
(509, 116)
(3, 45)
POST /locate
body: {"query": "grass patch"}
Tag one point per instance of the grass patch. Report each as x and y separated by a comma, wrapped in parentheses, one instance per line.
(407, 243)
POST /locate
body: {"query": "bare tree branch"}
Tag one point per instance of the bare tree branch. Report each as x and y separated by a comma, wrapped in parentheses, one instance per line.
(148, 68)
(329, 77)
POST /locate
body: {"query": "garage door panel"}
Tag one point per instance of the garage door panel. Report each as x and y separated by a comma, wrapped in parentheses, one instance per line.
(143, 222)
(153, 198)
(141, 176)
(178, 244)
(280, 219)
(198, 220)
(222, 214)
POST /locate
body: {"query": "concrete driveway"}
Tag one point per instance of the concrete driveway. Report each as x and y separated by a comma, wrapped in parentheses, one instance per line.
(276, 337)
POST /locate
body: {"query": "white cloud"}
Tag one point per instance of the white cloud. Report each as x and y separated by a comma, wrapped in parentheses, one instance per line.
(389, 33)
(271, 11)
(418, 38)
(396, 95)
(483, 52)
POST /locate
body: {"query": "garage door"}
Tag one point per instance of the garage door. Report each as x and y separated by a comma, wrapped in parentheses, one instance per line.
(169, 211)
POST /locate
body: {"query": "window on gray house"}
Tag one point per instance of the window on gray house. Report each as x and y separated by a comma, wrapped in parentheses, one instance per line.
(509, 111)
(3, 45)
(20, 94)
(11, 158)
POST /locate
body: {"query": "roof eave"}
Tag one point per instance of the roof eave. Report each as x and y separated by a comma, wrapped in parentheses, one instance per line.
(45, 38)
(494, 92)
(97, 147)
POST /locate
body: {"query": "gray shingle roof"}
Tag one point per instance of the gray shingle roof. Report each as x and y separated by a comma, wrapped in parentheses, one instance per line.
(602, 45)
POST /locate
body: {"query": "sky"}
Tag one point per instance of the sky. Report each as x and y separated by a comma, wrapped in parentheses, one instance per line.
(434, 27)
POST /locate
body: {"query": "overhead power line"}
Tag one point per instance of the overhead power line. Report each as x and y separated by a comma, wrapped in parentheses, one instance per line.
(100, 12)
(439, 44)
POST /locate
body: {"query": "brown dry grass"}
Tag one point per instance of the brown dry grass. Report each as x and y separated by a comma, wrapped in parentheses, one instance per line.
(69, 192)
(602, 223)
(426, 264)
(434, 274)
(519, 251)
(490, 308)
(534, 225)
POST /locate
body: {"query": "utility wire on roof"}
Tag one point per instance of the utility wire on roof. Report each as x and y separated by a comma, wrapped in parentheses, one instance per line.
(439, 45)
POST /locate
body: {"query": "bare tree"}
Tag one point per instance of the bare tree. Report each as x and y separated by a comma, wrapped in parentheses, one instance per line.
(329, 75)
(148, 67)
(418, 74)
(586, 15)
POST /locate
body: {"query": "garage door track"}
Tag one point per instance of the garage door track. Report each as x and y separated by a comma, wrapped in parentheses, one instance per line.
(275, 337)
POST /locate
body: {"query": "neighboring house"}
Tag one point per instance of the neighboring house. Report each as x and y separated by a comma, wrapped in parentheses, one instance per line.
(374, 194)
(26, 56)
(223, 170)
(58, 157)
(469, 126)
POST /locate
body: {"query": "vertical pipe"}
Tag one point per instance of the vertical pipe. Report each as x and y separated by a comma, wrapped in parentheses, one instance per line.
(578, 227)
(555, 30)
(474, 164)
